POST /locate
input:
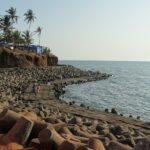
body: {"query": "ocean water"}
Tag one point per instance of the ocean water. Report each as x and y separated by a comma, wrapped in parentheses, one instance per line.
(128, 90)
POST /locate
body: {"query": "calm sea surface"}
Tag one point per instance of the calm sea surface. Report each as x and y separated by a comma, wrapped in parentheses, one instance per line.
(128, 90)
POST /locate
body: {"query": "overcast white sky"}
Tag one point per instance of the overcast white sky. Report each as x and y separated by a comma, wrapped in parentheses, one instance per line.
(90, 29)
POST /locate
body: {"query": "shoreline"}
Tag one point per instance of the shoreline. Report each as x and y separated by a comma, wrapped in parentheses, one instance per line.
(60, 91)
(48, 107)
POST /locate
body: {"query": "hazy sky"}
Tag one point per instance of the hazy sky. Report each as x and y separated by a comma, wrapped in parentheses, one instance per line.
(90, 29)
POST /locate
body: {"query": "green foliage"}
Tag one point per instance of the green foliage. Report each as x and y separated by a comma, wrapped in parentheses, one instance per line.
(29, 17)
(1, 37)
(46, 50)
(39, 31)
(6, 27)
(27, 37)
(12, 14)
(18, 38)
(8, 32)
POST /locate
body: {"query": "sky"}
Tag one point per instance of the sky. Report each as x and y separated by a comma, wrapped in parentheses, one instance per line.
(89, 29)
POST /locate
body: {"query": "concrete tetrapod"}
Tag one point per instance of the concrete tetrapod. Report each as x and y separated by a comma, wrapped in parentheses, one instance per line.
(85, 133)
(96, 144)
(49, 138)
(84, 148)
(66, 131)
(11, 146)
(31, 115)
(20, 132)
(118, 146)
(7, 119)
(37, 127)
(66, 145)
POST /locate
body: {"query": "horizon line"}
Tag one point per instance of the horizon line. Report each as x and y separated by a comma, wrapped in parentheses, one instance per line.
(105, 60)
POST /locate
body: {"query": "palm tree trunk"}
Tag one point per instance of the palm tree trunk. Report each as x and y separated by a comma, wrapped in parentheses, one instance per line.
(29, 26)
(39, 40)
(29, 33)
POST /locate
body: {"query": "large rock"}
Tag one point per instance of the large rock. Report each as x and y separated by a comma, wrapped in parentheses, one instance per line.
(18, 58)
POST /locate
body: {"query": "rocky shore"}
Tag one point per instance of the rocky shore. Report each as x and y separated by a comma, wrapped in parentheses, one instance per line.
(32, 120)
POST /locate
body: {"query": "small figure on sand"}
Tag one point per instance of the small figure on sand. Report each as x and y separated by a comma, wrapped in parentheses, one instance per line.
(61, 77)
(48, 83)
(38, 88)
(34, 88)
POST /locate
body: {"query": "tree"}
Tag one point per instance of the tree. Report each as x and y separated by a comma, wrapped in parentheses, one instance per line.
(6, 27)
(17, 36)
(39, 31)
(1, 37)
(12, 14)
(13, 18)
(27, 37)
(29, 17)
(7, 32)
(46, 50)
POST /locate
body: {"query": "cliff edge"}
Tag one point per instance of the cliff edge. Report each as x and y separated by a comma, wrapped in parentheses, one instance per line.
(17, 58)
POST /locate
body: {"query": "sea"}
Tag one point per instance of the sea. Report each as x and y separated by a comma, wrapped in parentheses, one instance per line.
(127, 90)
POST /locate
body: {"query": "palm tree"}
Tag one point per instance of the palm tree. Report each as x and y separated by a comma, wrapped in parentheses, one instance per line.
(1, 37)
(46, 50)
(13, 17)
(12, 14)
(18, 39)
(39, 31)
(27, 37)
(6, 27)
(29, 17)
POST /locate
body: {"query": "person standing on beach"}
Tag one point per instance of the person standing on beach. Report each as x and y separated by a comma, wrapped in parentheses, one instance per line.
(61, 77)
(34, 89)
(38, 88)
(49, 83)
